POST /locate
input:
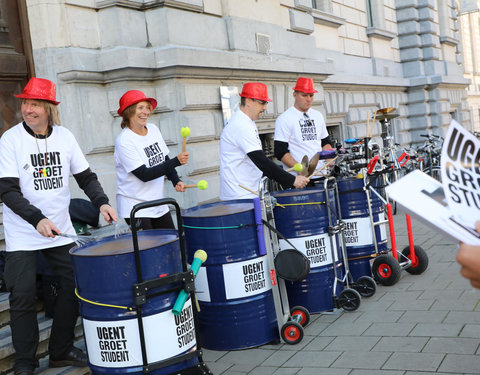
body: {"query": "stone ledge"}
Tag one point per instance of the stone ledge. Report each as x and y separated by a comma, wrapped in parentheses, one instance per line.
(327, 19)
(380, 33)
(448, 40)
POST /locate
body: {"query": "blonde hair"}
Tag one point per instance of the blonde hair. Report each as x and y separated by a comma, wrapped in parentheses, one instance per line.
(129, 112)
(52, 111)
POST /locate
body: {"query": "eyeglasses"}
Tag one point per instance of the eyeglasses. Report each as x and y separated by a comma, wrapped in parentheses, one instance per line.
(262, 102)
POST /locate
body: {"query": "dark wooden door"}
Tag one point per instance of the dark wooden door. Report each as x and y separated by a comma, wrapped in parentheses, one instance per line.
(16, 63)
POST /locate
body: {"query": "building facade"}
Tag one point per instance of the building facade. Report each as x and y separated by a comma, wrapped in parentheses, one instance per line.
(469, 16)
(362, 54)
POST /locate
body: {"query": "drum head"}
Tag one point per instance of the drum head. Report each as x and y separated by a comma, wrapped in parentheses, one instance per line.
(292, 265)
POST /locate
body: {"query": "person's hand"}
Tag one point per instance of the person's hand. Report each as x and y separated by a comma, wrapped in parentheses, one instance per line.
(45, 228)
(183, 157)
(108, 213)
(180, 187)
(301, 182)
(468, 257)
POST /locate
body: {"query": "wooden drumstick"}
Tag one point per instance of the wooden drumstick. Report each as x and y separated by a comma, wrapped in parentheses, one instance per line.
(323, 167)
(373, 123)
(297, 168)
(185, 132)
(247, 189)
(202, 185)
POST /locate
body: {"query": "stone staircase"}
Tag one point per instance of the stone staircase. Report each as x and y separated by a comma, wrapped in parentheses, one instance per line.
(44, 324)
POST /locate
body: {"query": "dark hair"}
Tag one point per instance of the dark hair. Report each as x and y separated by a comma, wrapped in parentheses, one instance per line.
(128, 113)
(243, 100)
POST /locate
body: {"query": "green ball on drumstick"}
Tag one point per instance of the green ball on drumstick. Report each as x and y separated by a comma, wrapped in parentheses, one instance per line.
(297, 168)
(184, 132)
(201, 185)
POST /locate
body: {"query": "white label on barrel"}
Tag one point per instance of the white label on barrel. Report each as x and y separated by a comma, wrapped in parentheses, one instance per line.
(248, 278)
(358, 232)
(383, 227)
(117, 343)
(316, 248)
(201, 285)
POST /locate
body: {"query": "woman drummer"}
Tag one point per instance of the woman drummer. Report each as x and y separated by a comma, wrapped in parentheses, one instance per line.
(141, 162)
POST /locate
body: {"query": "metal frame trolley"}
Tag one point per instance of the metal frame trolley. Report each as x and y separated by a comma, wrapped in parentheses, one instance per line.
(291, 322)
(145, 289)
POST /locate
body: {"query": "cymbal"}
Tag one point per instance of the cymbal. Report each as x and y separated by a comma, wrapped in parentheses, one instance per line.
(313, 163)
(382, 117)
(386, 110)
(304, 162)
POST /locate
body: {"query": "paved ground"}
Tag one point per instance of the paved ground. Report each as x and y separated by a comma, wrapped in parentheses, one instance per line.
(424, 324)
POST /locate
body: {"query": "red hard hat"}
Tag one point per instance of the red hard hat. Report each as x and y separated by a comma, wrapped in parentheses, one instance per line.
(305, 85)
(255, 90)
(39, 89)
(133, 97)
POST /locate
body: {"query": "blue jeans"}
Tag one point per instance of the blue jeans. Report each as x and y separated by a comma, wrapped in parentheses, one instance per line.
(20, 278)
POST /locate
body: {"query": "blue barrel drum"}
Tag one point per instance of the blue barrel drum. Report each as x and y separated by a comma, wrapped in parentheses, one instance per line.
(105, 272)
(302, 217)
(233, 288)
(358, 233)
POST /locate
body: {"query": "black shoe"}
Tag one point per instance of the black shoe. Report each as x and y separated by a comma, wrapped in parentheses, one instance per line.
(22, 371)
(74, 357)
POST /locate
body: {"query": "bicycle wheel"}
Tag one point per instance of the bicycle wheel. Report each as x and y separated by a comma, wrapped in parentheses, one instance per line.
(434, 172)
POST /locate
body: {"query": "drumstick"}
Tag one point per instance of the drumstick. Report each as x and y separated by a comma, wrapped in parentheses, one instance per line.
(323, 167)
(373, 123)
(368, 123)
(297, 168)
(202, 185)
(185, 132)
(250, 190)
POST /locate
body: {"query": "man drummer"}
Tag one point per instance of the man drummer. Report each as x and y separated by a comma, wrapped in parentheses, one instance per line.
(242, 160)
(300, 130)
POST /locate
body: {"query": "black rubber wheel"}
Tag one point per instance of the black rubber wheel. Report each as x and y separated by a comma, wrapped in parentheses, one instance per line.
(349, 299)
(292, 332)
(366, 286)
(300, 315)
(386, 270)
(419, 261)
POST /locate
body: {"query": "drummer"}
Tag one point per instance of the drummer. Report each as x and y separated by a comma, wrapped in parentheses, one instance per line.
(242, 160)
(37, 157)
(300, 130)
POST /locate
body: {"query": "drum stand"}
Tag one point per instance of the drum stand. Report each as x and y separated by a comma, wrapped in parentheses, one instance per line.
(145, 289)
(349, 299)
(291, 322)
(387, 268)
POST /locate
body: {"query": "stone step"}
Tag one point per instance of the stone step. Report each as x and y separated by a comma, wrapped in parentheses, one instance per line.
(44, 325)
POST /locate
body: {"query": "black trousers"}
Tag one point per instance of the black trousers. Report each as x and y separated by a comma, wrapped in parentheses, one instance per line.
(20, 278)
(163, 222)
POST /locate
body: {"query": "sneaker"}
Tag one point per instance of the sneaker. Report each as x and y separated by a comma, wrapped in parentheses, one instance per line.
(75, 357)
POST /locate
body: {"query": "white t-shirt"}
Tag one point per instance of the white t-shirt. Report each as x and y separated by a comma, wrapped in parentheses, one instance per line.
(131, 152)
(239, 137)
(304, 137)
(20, 158)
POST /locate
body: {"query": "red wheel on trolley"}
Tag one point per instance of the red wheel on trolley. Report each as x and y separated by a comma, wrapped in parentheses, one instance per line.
(419, 260)
(300, 315)
(386, 270)
(292, 332)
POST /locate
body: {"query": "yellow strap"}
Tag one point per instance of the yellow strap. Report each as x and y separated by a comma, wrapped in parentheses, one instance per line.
(297, 204)
(102, 304)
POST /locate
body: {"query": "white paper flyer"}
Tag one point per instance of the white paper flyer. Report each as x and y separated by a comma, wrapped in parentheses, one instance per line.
(453, 205)
(460, 166)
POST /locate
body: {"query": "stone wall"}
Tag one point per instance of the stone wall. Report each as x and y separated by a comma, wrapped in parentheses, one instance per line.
(389, 53)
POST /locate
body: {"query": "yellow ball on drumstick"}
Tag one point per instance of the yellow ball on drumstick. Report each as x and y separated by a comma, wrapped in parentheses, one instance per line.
(202, 185)
(297, 168)
(185, 132)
